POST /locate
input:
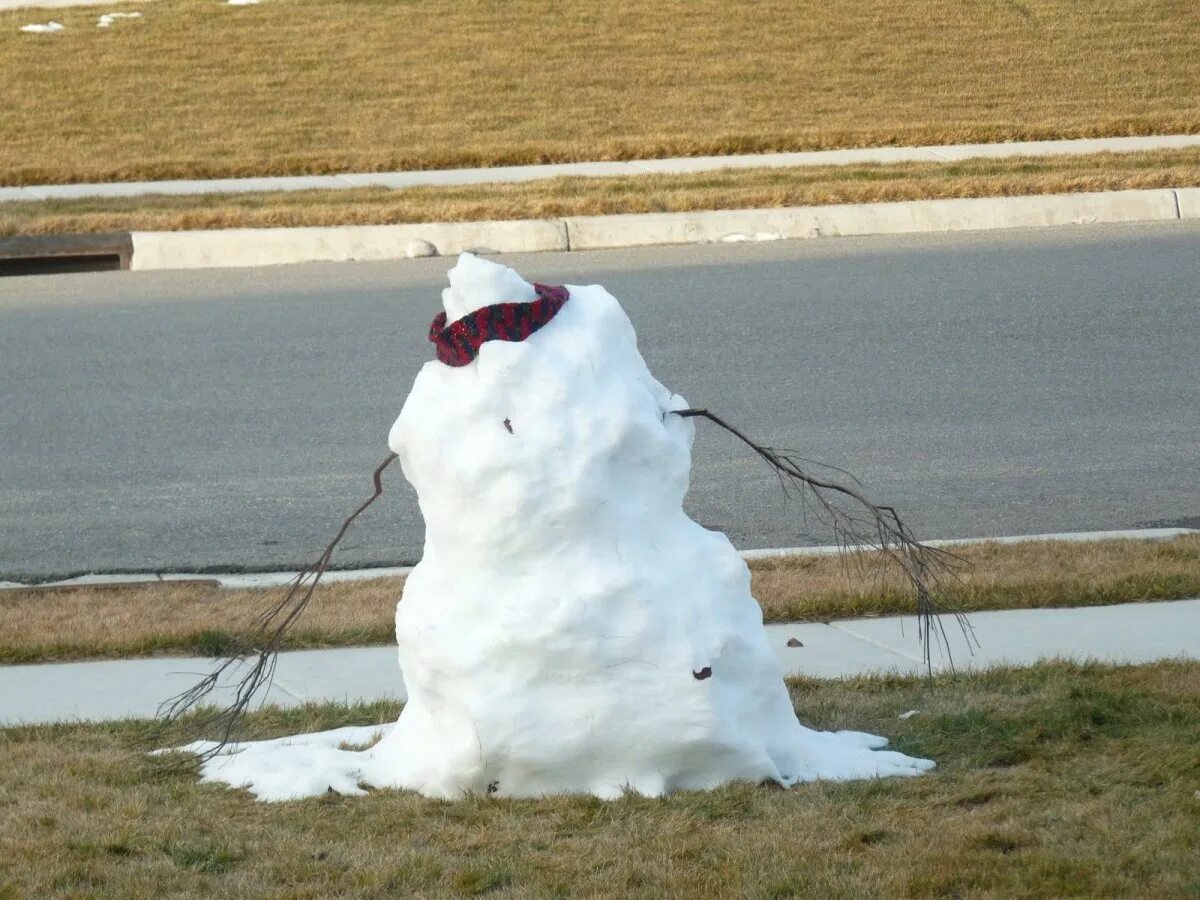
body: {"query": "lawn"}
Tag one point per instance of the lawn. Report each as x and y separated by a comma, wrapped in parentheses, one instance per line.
(1053, 781)
(197, 88)
(79, 623)
(729, 189)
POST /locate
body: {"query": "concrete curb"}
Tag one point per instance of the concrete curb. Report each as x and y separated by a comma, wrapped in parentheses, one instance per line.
(1187, 201)
(597, 232)
(1070, 537)
(277, 246)
(278, 579)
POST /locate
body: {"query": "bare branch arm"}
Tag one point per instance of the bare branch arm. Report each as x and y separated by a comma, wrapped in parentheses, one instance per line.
(870, 526)
(262, 644)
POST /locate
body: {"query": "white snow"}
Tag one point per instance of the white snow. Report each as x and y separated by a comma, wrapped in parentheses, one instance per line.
(240, 2)
(108, 19)
(48, 28)
(476, 283)
(312, 763)
(569, 629)
(420, 248)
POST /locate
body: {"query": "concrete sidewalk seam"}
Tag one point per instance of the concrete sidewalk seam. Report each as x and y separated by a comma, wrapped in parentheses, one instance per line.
(296, 695)
(877, 644)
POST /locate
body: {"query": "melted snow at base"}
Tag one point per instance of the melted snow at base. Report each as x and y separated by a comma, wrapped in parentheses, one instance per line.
(552, 636)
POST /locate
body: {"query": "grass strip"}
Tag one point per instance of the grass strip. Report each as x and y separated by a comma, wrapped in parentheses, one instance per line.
(163, 618)
(194, 90)
(727, 189)
(1057, 780)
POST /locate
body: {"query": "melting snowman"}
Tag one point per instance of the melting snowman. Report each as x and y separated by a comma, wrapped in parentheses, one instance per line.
(569, 629)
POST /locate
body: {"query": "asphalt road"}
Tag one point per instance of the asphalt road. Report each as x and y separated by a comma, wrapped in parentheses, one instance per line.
(997, 383)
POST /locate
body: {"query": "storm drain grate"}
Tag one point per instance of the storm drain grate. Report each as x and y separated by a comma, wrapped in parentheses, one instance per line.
(55, 254)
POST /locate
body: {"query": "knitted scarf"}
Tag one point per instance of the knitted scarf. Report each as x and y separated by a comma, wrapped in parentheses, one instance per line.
(459, 343)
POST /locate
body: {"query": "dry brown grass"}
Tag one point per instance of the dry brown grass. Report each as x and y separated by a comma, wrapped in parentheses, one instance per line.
(1053, 781)
(196, 89)
(78, 623)
(729, 189)
(44, 625)
(1031, 575)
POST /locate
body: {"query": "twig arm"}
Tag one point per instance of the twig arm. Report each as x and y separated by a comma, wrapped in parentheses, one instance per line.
(881, 529)
(262, 644)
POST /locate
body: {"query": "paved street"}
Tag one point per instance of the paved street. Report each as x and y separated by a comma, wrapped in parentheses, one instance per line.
(995, 383)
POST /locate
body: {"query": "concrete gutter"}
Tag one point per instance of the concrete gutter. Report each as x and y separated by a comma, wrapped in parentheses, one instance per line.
(608, 169)
(278, 246)
(279, 579)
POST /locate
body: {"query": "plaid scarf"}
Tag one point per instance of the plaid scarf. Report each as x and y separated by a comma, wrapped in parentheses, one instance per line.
(459, 343)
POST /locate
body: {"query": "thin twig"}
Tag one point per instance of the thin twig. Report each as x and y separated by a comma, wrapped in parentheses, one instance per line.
(260, 648)
(869, 526)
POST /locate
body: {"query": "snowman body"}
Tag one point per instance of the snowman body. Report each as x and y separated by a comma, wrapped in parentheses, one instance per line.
(568, 629)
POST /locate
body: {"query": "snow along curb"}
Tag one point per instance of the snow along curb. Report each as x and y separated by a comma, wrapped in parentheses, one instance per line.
(278, 579)
(276, 246)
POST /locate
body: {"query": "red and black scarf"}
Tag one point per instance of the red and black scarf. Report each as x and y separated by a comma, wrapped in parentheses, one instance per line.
(459, 343)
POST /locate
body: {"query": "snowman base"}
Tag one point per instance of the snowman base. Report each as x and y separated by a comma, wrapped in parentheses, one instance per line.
(309, 765)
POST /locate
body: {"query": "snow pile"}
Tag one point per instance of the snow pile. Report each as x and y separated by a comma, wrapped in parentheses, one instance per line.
(569, 629)
(294, 767)
(108, 19)
(48, 28)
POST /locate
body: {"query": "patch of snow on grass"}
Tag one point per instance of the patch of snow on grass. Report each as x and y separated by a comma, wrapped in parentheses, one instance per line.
(107, 19)
(48, 28)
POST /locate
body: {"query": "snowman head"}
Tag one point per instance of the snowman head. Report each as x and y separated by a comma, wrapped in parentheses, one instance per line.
(476, 283)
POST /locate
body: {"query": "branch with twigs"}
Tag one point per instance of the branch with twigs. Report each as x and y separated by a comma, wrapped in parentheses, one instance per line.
(259, 648)
(866, 526)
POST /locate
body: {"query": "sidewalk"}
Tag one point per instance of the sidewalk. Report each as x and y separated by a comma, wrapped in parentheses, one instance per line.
(680, 165)
(1128, 633)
